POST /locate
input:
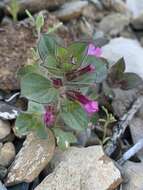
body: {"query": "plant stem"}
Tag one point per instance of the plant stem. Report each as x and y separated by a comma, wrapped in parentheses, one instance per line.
(105, 130)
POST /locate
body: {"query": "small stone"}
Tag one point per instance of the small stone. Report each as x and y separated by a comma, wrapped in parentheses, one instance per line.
(4, 129)
(136, 7)
(86, 28)
(129, 49)
(71, 10)
(89, 12)
(31, 159)
(120, 6)
(7, 154)
(114, 23)
(36, 5)
(116, 5)
(133, 176)
(82, 169)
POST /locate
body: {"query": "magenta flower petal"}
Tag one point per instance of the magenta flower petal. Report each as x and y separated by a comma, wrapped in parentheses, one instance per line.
(91, 107)
(95, 51)
(49, 117)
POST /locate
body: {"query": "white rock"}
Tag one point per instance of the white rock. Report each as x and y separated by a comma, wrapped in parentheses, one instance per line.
(130, 50)
(136, 7)
(83, 169)
(4, 129)
(31, 159)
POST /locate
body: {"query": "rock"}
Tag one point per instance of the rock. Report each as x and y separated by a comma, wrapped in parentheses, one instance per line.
(136, 128)
(136, 7)
(8, 112)
(114, 23)
(116, 5)
(83, 169)
(36, 5)
(120, 6)
(92, 13)
(71, 10)
(3, 172)
(4, 129)
(31, 159)
(2, 187)
(127, 48)
(133, 176)
(123, 100)
(7, 154)
(86, 28)
(140, 113)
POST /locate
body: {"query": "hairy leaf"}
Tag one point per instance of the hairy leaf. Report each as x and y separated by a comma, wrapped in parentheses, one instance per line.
(64, 139)
(46, 45)
(30, 122)
(37, 88)
(75, 117)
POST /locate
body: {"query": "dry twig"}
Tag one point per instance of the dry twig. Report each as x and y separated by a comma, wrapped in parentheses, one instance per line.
(121, 126)
(131, 152)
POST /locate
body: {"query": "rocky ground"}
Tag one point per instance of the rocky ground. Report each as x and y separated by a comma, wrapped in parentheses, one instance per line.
(28, 163)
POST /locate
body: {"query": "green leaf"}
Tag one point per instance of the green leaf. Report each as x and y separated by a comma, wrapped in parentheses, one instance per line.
(37, 88)
(34, 107)
(40, 127)
(130, 80)
(39, 21)
(64, 139)
(30, 122)
(30, 16)
(34, 68)
(116, 71)
(52, 65)
(46, 45)
(78, 51)
(65, 59)
(74, 117)
(71, 58)
(24, 123)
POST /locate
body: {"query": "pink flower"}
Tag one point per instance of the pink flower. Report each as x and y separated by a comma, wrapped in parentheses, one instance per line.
(95, 51)
(49, 116)
(90, 106)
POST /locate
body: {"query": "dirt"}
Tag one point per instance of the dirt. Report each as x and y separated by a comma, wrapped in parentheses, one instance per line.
(15, 44)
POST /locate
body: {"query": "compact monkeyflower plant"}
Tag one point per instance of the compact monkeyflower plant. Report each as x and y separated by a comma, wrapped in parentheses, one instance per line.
(61, 89)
